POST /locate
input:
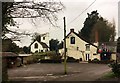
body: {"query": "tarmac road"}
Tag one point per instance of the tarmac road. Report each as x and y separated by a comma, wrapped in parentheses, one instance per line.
(55, 72)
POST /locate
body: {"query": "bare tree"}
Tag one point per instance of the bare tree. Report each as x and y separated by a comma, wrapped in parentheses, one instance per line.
(46, 11)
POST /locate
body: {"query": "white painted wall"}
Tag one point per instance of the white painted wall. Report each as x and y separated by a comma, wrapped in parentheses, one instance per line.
(77, 54)
(96, 56)
(93, 50)
(33, 49)
(46, 39)
(113, 56)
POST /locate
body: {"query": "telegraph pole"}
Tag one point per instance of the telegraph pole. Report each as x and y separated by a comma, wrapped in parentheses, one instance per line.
(65, 68)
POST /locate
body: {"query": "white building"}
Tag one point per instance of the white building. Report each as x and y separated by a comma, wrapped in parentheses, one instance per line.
(42, 45)
(45, 38)
(79, 48)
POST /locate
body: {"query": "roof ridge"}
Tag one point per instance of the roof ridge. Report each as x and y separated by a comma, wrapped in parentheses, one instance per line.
(82, 38)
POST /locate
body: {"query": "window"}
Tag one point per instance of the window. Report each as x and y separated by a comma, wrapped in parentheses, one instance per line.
(77, 48)
(94, 54)
(41, 50)
(72, 40)
(43, 38)
(87, 57)
(36, 45)
(46, 50)
(80, 59)
(87, 47)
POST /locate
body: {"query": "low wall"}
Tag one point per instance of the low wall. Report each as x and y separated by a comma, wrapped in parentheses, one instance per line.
(113, 56)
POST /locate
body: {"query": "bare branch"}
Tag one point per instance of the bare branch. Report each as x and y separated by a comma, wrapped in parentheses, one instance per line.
(44, 10)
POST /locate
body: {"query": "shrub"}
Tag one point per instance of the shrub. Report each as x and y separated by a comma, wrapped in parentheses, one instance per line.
(101, 61)
(115, 69)
(40, 57)
(50, 61)
(54, 56)
(94, 60)
(97, 60)
(71, 59)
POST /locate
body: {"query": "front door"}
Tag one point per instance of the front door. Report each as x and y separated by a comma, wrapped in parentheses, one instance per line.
(87, 57)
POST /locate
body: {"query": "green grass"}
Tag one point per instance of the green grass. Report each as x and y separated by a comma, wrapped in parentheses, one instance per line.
(108, 75)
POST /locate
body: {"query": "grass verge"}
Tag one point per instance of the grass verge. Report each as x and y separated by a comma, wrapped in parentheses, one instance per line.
(109, 76)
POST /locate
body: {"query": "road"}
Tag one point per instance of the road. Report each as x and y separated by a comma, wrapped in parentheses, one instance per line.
(55, 72)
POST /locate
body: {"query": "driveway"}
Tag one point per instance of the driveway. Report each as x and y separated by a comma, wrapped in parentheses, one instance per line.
(55, 72)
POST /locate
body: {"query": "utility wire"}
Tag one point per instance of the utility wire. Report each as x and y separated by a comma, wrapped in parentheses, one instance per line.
(82, 12)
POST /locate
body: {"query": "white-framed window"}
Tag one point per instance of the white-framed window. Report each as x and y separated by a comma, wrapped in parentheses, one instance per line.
(94, 54)
(43, 38)
(72, 40)
(77, 48)
(87, 57)
(36, 45)
(87, 47)
(41, 50)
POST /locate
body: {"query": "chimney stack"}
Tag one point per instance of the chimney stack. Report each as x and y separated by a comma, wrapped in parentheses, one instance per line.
(96, 36)
(71, 30)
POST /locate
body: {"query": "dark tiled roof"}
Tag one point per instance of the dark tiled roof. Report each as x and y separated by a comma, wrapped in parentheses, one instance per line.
(31, 43)
(8, 54)
(44, 45)
(82, 38)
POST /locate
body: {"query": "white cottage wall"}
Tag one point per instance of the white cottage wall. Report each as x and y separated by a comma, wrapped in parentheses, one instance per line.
(78, 50)
(45, 38)
(33, 49)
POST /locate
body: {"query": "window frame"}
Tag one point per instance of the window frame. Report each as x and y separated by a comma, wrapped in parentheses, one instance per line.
(77, 48)
(87, 47)
(72, 40)
(43, 38)
(35, 45)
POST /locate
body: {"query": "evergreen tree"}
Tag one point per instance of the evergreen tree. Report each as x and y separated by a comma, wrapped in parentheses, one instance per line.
(54, 44)
(95, 23)
(88, 24)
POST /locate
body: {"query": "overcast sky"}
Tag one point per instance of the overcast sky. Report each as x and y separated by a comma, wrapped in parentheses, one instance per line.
(108, 9)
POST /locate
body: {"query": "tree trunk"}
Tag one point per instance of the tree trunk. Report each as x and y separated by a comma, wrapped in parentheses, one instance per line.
(4, 70)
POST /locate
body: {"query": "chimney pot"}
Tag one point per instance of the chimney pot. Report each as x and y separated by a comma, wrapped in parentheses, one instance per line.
(71, 30)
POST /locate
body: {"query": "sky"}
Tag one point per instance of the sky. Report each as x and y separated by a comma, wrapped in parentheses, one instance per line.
(108, 9)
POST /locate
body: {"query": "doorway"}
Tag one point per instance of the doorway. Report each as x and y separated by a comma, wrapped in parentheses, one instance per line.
(87, 57)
